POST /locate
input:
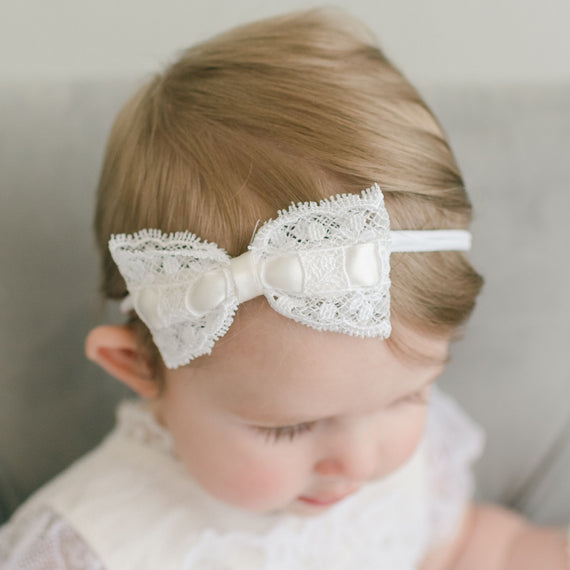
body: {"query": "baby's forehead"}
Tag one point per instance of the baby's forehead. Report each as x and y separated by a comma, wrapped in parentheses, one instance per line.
(258, 326)
(265, 334)
(269, 360)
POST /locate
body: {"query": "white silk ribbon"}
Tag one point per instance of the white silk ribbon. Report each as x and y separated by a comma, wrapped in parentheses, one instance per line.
(325, 265)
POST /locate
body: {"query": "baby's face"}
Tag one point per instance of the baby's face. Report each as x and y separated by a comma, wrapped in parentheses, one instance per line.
(283, 417)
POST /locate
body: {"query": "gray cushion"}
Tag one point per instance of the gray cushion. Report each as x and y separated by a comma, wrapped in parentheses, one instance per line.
(511, 372)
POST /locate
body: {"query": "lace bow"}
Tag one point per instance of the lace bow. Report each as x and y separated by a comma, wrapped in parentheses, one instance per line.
(325, 265)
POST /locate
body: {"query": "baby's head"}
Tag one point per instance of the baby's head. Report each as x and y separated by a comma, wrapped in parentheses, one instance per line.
(297, 108)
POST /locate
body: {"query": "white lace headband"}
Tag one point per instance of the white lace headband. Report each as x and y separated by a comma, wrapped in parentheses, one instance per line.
(325, 265)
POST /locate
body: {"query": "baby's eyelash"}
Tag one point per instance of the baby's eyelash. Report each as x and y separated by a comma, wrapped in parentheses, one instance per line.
(277, 433)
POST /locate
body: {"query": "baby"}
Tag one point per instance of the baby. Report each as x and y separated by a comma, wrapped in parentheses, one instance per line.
(286, 226)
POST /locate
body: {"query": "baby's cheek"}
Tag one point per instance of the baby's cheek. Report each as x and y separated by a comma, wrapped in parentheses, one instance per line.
(405, 437)
(244, 472)
(261, 485)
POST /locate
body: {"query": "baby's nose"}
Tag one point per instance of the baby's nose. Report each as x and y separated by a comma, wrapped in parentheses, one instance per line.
(352, 453)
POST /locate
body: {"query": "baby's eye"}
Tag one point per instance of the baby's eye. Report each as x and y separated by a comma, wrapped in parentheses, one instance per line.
(277, 433)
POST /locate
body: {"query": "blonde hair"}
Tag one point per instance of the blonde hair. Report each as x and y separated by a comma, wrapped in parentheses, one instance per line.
(293, 108)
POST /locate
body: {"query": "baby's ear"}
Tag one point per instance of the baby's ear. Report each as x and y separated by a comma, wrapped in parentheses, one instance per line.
(116, 350)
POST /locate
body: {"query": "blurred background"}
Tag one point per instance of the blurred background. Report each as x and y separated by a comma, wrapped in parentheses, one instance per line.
(459, 41)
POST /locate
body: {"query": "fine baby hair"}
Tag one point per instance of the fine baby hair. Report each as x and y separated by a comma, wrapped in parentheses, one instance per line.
(293, 109)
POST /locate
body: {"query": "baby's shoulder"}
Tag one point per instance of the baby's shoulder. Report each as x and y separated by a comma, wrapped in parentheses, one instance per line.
(40, 535)
(484, 539)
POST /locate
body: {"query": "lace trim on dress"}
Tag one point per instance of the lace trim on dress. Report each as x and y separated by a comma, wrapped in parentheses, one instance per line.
(41, 540)
(136, 421)
(456, 441)
(355, 535)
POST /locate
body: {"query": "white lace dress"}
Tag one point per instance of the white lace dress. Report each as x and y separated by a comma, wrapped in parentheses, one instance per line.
(129, 504)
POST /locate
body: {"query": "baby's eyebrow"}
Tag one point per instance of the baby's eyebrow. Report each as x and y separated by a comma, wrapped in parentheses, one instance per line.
(282, 420)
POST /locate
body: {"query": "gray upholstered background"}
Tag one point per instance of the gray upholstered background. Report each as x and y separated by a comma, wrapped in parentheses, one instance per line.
(511, 372)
